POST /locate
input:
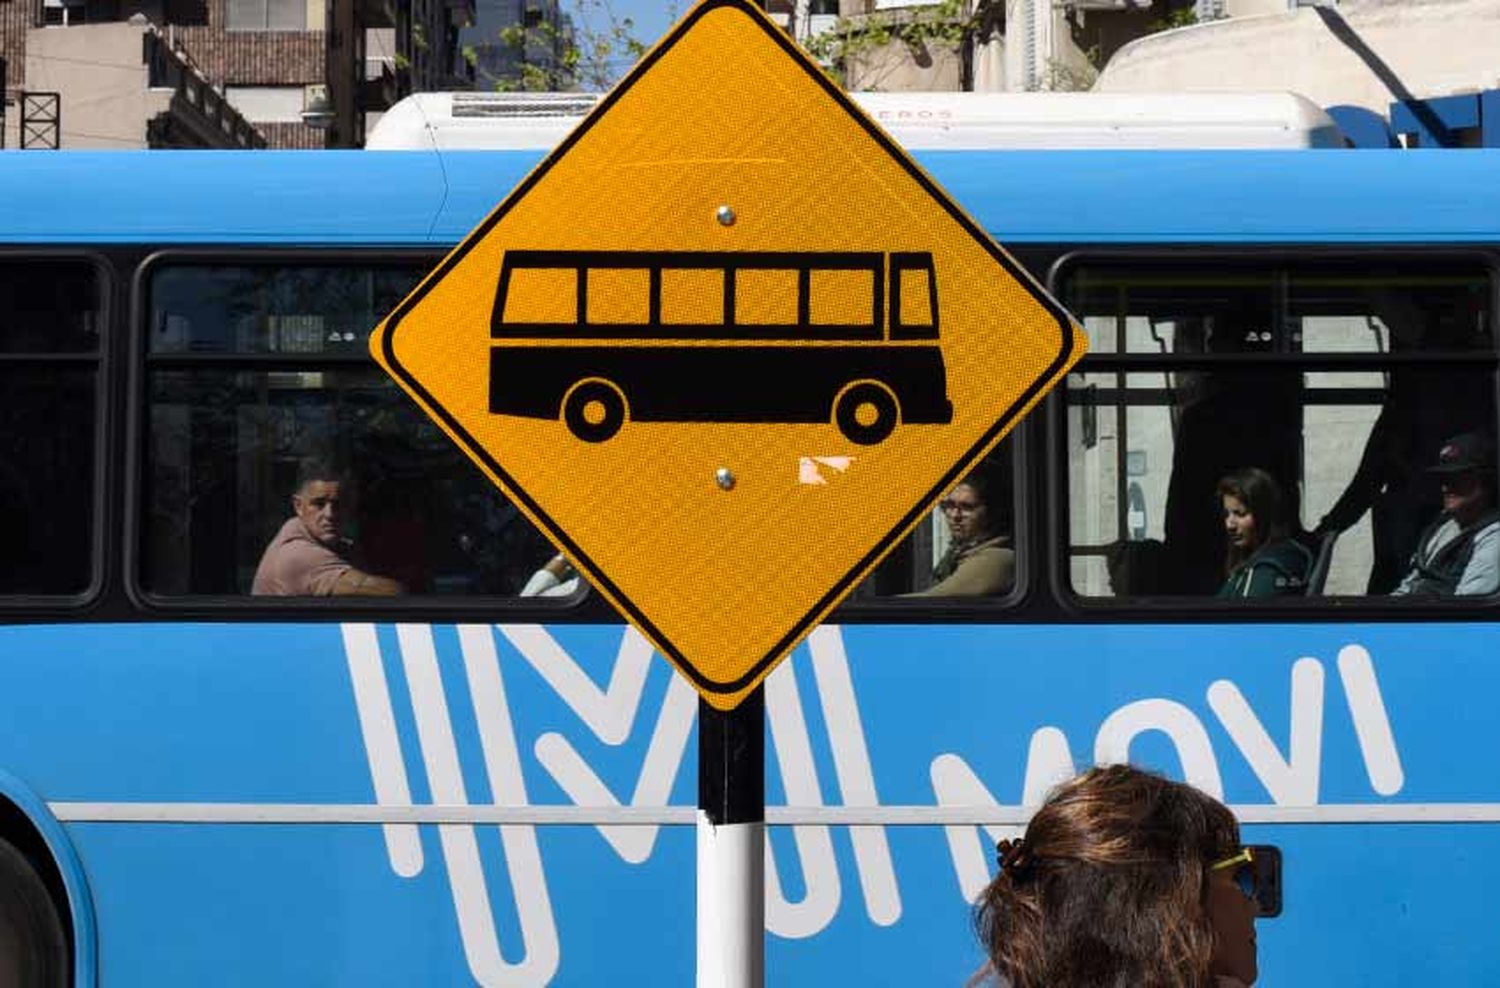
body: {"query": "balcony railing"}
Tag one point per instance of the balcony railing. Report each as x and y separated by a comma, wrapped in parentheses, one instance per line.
(207, 115)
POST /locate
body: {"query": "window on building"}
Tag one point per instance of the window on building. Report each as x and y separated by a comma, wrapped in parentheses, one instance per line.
(266, 15)
(63, 13)
(1324, 389)
(186, 13)
(267, 104)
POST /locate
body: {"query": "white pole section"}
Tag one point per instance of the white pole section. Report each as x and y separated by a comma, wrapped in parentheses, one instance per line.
(731, 904)
(732, 844)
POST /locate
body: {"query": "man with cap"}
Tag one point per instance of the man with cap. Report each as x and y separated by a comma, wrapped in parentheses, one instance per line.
(1459, 553)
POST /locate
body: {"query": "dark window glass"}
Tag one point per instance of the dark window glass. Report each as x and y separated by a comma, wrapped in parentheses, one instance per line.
(225, 442)
(50, 318)
(266, 309)
(1235, 307)
(46, 478)
(1343, 454)
(48, 307)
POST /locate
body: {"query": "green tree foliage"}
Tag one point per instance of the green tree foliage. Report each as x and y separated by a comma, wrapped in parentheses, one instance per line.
(588, 54)
(949, 24)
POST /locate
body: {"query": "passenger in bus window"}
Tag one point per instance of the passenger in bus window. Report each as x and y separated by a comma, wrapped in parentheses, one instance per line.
(557, 578)
(1122, 878)
(1263, 558)
(979, 561)
(1224, 420)
(1423, 406)
(1135, 567)
(310, 555)
(1459, 553)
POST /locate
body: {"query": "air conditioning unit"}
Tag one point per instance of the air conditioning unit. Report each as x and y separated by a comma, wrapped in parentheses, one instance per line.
(317, 108)
(521, 105)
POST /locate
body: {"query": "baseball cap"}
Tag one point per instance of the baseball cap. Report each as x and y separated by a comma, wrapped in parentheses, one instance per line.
(1464, 452)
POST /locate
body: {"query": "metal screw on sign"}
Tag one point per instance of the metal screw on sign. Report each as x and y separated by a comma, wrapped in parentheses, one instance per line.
(725, 478)
(726, 216)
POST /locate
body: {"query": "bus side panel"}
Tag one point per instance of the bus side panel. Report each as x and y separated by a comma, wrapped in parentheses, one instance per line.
(1339, 723)
(1358, 729)
(200, 717)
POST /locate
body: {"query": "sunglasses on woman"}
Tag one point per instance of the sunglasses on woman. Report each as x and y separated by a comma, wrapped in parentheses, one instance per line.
(1256, 871)
(1242, 870)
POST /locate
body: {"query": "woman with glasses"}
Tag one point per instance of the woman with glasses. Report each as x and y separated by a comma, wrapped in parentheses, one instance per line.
(1122, 879)
(1263, 559)
(979, 561)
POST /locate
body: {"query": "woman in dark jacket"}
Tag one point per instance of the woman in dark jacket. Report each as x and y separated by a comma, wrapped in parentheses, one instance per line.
(1263, 559)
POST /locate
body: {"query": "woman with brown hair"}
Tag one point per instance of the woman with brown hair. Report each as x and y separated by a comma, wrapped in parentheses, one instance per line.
(1262, 558)
(1123, 879)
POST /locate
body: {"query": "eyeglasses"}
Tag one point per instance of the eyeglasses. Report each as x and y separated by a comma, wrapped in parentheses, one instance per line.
(1244, 875)
(959, 507)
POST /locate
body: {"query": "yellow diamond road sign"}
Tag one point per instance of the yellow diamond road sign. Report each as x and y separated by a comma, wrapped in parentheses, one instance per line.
(726, 345)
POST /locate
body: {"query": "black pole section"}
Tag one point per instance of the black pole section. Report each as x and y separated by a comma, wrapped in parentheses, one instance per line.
(732, 761)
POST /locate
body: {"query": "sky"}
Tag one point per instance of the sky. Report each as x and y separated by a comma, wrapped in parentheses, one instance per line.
(651, 17)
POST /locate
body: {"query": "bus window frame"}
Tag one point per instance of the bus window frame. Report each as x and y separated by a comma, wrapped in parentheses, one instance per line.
(582, 606)
(103, 362)
(1301, 609)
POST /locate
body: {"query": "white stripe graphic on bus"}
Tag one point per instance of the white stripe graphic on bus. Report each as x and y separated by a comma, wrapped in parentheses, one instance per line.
(963, 803)
(377, 723)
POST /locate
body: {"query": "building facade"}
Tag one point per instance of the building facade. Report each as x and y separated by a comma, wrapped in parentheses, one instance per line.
(300, 73)
(519, 44)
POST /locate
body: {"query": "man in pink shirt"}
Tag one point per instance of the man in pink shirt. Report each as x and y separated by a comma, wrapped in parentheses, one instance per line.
(307, 557)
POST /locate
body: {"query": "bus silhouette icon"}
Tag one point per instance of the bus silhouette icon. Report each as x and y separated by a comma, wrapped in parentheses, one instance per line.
(599, 338)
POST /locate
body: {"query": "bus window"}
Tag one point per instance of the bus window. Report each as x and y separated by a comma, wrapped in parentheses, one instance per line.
(964, 548)
(1241, 378)
(1201, 307)
(225, 438)
(50, 317)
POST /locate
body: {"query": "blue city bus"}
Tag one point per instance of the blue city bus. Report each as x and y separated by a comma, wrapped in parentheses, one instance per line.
(462, 785)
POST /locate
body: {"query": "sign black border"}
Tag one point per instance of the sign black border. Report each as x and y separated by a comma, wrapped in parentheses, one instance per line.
(842, 587)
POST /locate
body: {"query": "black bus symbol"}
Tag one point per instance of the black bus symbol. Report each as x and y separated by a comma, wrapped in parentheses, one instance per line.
(598, 338)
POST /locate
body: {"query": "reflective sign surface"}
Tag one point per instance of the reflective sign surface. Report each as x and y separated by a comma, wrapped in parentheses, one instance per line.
(726, 345)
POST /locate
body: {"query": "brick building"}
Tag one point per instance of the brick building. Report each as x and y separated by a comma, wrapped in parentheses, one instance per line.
(301, 73)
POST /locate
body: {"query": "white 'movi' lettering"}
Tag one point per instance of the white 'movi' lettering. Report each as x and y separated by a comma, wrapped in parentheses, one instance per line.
(1048, 763)
(1291, 781)
(611, 713)
(1372, 725)
(1181, 725)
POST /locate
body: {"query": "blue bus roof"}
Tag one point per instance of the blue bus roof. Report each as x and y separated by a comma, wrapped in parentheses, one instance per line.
(424, 197)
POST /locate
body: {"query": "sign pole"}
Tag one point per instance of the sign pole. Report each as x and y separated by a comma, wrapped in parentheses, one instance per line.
(732, 844)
